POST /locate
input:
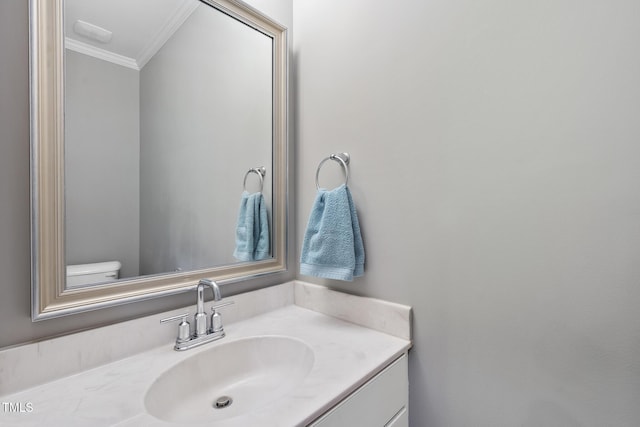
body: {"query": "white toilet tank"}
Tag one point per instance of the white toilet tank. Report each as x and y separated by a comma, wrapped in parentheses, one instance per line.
(99, 272)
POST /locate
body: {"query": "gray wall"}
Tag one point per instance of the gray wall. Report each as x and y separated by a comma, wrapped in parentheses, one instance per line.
(495, 170)
(495, 165)
(206, 116)
(15, 317)
(102, 162)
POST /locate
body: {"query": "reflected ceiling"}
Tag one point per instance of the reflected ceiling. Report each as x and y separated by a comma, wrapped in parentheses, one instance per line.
(134, 37)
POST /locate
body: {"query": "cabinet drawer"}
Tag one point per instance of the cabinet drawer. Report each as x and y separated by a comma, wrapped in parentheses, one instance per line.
(380, 401)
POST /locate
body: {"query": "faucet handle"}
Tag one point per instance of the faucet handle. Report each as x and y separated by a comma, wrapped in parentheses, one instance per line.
(223, 304)
(216, 319)
(184, 328)
(174, 318)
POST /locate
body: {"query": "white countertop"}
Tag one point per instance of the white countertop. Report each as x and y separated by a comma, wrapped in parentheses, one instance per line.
(345, 356)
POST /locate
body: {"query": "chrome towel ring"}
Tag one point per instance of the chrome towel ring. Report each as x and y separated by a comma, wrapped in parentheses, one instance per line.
(261, 172)
(343, 159)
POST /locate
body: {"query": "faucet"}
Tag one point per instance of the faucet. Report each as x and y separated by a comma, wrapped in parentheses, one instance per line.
(200, 318)
(202, 333)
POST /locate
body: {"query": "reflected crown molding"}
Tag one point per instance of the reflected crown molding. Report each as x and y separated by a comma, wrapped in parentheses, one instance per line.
(99, 53)
(175, 21)
(164, 34)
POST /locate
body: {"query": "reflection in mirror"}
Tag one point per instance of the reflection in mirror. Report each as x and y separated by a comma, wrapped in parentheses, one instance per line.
(146, 116)
(164, 112)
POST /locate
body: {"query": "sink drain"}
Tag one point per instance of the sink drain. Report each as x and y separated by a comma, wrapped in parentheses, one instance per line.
(222, 402)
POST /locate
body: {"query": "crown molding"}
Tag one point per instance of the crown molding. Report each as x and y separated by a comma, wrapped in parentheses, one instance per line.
(96, 52)
(171, 26)
(166, 31)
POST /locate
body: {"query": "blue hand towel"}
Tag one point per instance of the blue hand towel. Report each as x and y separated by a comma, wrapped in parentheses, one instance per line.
(252, 230)
(332, 247)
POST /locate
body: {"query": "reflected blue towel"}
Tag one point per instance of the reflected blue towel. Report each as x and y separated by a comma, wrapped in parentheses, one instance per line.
(332, 247)
(252, 230)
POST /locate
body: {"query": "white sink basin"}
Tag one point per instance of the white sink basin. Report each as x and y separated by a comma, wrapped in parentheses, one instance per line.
(252, 372)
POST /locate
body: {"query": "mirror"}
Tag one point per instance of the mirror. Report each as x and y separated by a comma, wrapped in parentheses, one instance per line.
(144, 132)
(160, 115)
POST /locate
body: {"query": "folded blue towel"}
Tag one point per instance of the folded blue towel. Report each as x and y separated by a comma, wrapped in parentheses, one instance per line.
(252, 230)
(332, 247)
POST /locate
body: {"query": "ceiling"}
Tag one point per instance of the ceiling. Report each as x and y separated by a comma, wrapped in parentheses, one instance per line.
(139, 27)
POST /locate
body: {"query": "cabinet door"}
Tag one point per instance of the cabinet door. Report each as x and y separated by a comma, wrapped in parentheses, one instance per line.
(378, 403)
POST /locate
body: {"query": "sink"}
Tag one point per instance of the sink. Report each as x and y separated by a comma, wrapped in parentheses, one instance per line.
(229, 379)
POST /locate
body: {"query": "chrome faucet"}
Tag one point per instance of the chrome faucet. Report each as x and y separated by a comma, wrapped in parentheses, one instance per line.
(200, 318)
(202, 333)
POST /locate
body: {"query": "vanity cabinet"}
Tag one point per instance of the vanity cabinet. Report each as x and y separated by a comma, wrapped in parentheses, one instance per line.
(381, 402)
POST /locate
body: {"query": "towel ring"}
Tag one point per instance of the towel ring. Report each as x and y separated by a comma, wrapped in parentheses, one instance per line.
(261, 172)
(343, 159)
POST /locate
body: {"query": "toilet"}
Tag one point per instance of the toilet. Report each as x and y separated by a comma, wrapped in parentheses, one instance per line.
(86, 274)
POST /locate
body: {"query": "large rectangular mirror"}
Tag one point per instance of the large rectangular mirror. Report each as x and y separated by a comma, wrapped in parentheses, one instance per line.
(152, 121)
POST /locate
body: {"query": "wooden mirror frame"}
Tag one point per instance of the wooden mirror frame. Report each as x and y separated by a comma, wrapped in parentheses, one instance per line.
(49, 296)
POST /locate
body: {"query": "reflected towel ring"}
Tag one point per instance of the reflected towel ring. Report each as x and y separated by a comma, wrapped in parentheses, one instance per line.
(261, 172)
(343, 159)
